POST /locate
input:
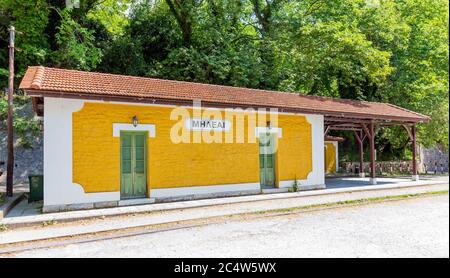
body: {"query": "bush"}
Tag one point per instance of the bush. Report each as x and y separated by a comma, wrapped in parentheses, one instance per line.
(25, 127)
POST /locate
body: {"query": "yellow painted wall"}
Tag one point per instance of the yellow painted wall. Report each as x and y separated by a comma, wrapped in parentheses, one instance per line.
(96, 153)
(330, 158)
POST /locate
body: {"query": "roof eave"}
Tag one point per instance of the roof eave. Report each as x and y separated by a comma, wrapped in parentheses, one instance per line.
(165, 101)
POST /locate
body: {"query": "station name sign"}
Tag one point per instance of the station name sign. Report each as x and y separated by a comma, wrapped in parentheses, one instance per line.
(207, 124)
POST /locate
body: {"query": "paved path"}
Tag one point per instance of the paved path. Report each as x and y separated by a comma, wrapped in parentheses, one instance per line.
(354, 182)
(409, 228)
(192, 213)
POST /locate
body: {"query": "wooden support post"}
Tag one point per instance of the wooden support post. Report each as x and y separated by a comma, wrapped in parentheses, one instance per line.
(411, 130)
(373, 179)
(359, 137)
(10, 142)
(415, 175)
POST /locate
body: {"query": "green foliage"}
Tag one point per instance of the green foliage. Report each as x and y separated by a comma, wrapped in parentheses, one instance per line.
(391, 51)
(420, 81)
(340, 61)
(295, 185)
(50, 222)
(3, 227)
(3, 109)
(112, 15)
(25, 128)
(76, 45)
(30, 18)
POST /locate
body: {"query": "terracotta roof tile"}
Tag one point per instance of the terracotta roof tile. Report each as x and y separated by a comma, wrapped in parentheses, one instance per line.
(52, 81)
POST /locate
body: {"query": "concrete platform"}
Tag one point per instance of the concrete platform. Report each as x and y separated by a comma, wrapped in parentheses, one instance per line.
(29, 215)
(350, 182)
(26, 209)
(9, 203)
(192, 210)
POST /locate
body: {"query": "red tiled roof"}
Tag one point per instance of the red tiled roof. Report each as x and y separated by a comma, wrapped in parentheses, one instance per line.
(43, 81)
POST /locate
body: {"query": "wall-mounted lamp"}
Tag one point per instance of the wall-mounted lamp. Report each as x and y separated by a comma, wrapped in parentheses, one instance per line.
(135, 121)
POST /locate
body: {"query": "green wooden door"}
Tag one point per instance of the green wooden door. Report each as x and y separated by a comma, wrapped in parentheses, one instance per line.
(267, 159)
(133, 160)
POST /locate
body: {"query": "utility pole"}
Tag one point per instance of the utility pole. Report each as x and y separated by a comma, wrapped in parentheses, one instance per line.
(10, 142)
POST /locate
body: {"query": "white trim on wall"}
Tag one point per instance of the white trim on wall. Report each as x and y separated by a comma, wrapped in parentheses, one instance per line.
(58, 186)
(205, 189)
(317, 176)
(118, 127)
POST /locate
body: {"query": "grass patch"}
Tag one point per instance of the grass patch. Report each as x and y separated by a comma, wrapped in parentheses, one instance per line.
(356, 202)
(49, 223)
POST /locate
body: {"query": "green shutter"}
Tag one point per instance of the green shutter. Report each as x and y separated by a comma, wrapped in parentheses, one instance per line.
(133, 159)
(267, 159)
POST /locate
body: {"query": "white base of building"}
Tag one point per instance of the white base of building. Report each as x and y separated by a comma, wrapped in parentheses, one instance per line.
(201, 190)
(415, 177)
(274, 190)
(311, 187)
(301, 184)
(362, 175)
(207, 196)
(135, 202)
(184, 194)
(373, 181)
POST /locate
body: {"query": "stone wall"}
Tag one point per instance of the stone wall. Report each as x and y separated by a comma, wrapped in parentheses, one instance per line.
(27, 160)
(434, 159)
(430, 160)
(394, 167)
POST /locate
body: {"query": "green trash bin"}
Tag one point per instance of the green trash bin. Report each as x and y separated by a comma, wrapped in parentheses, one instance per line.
(36, 188)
